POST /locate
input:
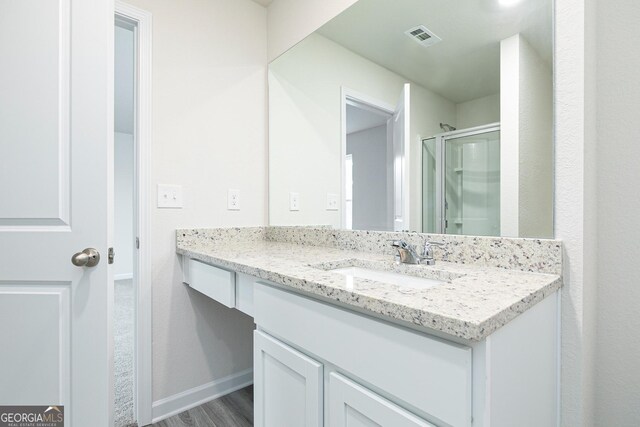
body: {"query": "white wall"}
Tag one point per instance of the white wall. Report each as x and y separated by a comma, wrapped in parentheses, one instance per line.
(370, 164)
(536, 146)
(510, 136)
(617, 382)
(290, 21)
(478, 112)
(526, 149)
(575, 203)
(123, 201)
(305, 126)
(209, 135)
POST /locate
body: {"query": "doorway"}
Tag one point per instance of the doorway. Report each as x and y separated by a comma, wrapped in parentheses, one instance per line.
(374, 158)
(369, 168)
(131, 326)
(125, 281)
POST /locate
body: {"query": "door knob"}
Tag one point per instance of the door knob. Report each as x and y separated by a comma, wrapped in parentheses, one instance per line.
(87, 258)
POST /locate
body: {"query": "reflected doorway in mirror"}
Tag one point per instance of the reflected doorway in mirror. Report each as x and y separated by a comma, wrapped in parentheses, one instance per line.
(374, 168)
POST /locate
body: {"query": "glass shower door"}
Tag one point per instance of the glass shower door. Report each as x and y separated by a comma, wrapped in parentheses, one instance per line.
(472, 184)
(429, 179)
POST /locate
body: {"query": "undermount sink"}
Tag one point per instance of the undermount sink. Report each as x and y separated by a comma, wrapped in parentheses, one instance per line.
(401, 280)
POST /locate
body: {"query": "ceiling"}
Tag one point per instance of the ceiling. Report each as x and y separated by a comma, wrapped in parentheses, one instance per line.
(264, 2)
(465, 65)
(359, 119)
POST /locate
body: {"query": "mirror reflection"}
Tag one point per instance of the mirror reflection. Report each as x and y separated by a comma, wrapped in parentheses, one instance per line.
(418, 115)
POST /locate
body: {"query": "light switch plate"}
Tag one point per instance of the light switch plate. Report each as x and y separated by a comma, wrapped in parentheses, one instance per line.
(294, 201)
(170, 196)
(332, 201)
(233, 200)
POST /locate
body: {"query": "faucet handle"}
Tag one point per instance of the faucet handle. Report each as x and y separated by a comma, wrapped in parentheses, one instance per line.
(427, 250)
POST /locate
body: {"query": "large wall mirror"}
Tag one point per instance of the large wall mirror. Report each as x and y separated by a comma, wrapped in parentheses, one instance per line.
(421, 115)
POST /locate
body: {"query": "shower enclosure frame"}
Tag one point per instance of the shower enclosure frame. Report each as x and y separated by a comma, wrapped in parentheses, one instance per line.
(440, 145)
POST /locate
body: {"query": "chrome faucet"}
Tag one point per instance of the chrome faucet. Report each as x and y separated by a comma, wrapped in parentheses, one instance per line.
(427, 252)
(407, 254)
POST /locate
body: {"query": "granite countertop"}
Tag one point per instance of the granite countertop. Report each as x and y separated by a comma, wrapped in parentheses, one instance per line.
(474, 302)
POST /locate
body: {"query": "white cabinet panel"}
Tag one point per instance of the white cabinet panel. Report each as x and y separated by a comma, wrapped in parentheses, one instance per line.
(214, 282)
(287, 385)
(244, 293)
(352, 405)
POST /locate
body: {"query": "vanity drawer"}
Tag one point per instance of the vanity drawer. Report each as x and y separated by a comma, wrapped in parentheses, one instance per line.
(214, 282)
(427, 373)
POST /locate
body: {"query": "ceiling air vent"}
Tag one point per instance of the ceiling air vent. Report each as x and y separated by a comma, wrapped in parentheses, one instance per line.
(422, 35)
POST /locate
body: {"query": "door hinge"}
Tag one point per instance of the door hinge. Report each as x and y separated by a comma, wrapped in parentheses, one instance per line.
(137, 243)
(111, 254)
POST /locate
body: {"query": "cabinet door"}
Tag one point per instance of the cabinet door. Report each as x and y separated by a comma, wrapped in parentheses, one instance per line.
(287, 385)
(352, 405)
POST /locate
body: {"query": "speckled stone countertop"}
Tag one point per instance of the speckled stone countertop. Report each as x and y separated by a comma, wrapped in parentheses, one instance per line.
(474, 301)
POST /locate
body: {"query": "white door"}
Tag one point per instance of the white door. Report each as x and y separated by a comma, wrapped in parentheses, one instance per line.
(352, 405)
(287, 385)
(401, 146)
(56, 121)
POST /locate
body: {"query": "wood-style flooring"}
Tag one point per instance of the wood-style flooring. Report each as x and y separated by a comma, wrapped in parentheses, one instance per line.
(232, 410)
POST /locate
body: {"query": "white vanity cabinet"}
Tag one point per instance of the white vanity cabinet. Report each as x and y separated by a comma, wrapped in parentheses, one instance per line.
(430, 376)
(322, 363)
(377, 373)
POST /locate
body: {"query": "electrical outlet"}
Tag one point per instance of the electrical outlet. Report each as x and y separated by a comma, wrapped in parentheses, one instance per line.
(170, 196)
(233, 200)
(294, 201)
(332, 202)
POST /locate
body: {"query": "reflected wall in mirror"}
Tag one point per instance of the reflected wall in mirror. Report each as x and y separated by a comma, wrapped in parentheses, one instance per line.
(420, 115)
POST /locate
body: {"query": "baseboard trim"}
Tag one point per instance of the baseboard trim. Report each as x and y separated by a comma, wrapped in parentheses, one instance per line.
(123, 276)
(172, 405)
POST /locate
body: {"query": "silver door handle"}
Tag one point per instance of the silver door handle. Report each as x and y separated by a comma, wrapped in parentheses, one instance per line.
(90, 257)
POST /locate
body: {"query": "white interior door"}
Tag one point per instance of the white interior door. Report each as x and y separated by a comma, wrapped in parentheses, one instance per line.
(56, 130)
(401, 145)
